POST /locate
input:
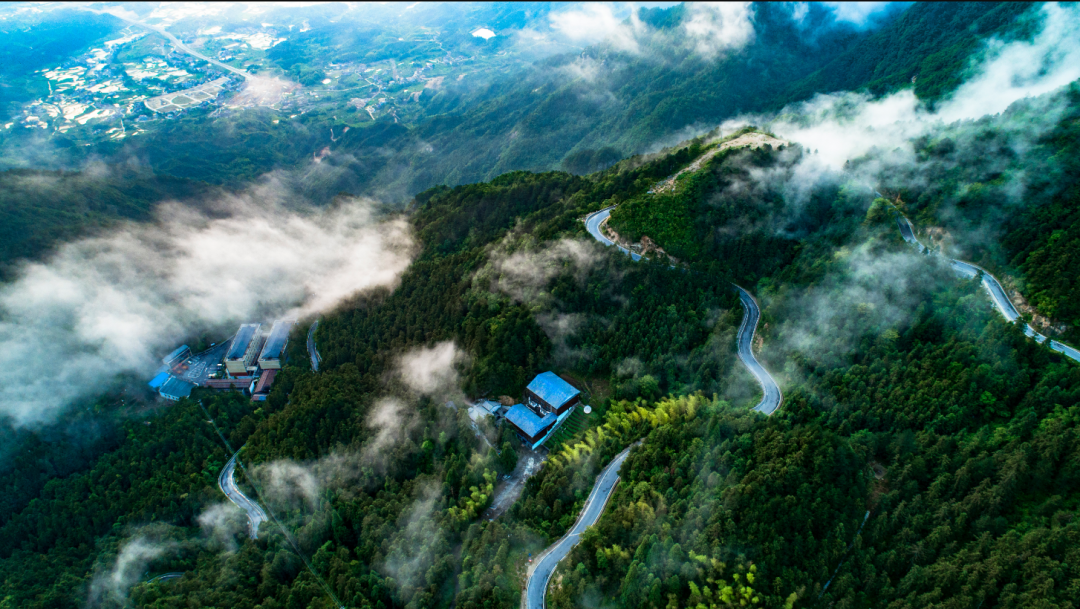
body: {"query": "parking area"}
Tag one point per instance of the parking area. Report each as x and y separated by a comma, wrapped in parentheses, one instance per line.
(202, 365)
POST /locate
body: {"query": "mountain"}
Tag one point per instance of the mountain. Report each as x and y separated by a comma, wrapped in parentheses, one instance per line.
(924, 451)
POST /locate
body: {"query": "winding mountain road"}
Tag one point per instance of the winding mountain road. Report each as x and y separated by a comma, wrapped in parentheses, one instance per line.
(540, 574)
(992, 286)
(227, 483)
(592, 224)
(772, 397)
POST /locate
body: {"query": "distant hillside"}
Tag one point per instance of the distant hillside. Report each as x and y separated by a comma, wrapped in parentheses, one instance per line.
(618, 103)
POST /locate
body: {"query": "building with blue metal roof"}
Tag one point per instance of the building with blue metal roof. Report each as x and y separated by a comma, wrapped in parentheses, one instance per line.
(530, 426)
(270, 358)
(174, 389)
(547, 393)
(178, 356)
(159, 380)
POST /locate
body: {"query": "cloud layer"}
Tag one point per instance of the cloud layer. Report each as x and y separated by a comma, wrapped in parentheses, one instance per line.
(844, 126)
(114, 304)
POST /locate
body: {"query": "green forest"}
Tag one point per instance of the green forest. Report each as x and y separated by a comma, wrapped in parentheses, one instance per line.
(927, 453)
(940, 440)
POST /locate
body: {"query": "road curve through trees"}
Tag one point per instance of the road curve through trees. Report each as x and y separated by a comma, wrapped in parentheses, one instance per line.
(227, 483)
(990, 284)
(540, 575)
(772, 397)
(592, 224)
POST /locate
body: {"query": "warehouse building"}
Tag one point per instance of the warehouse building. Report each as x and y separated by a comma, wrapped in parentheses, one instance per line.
(549, 400)
(174, 389)
(274, 349)
(245, 347)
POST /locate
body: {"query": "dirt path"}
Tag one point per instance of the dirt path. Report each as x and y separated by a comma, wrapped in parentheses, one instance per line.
(508, 491)
(752, 140)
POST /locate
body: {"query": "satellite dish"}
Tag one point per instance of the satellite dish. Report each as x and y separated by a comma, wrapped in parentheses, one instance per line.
(588, 410)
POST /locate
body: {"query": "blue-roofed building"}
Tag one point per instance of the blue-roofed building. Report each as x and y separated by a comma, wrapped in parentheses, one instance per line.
(174, 389)
(177, 357)
(531, 427)
(270, 358)
(547, 393)
(159, 380)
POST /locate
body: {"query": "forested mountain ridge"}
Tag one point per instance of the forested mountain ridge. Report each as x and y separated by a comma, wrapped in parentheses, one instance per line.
(720, 519)
(925, 455)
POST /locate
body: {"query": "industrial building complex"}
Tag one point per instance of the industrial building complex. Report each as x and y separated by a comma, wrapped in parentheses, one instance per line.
(252, 358)
(248, 361)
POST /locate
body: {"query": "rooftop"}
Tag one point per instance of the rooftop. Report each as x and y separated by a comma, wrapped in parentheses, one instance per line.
(552, 389)
(159, 380)
(174, 388)
(175, 354)
(275, 343)
(241, 341)
(527, 421)
(267, 379)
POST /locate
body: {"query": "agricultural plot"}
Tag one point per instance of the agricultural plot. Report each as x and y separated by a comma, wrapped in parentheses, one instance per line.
(171, 102)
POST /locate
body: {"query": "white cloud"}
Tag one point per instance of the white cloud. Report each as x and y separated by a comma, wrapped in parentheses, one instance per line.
(856, 12)
(719, 26)
(391, 420)
(844, 126)
(1022, 69)
(430, 370)
(221, 522)
(596, 22)
(114, 304)
(112, 588)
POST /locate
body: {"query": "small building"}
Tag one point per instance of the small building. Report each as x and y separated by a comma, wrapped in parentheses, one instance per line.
(532, 427)
(274, 349)
(174, 389)
(261, 388)
(547, 393)
(549, 401)
(245, 346)
(226, 383)
(180, 355)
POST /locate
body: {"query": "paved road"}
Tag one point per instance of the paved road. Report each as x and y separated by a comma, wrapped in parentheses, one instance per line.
(316, 359)
(992, 286)
(592, 224)
(536, 586)
(771, 397)
(176, 41)
(227, 484)
(164, 577)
